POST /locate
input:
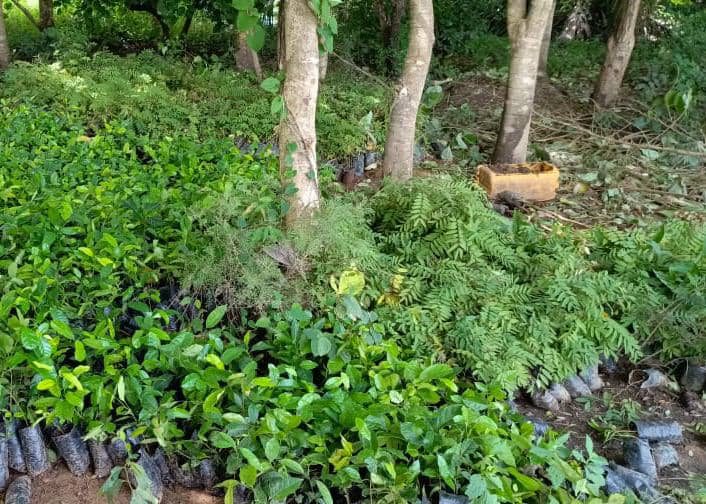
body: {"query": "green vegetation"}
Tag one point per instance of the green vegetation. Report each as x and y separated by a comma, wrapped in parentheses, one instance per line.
(152, 291)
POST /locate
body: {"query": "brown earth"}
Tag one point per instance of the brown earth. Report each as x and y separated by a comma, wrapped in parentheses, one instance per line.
(59, 486)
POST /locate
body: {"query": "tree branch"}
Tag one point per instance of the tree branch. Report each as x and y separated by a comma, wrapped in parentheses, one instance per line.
(27, 13)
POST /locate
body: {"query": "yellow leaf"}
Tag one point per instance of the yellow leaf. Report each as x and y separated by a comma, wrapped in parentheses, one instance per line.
(352, 282)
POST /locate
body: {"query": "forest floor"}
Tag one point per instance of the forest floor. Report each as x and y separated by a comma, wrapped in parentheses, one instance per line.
(612, 173)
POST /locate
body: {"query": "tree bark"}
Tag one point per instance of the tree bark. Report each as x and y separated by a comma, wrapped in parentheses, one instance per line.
(297, 135)
(546, 44)
(577, 24)
(46, 14)
(526, 22)
(619, 50)
(399, 148)
(4, 46)
(245, 58)
(323, 66)
(281, 43)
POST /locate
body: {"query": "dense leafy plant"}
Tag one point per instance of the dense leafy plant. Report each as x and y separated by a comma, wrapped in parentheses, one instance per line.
(501, 298)
(292, 402)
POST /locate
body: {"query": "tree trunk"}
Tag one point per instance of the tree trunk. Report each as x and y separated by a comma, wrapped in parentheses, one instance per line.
(323, 66)
(546, 43)
(46, 14)
(297, 135)
(399, 148)
(390, 25)
(619, 50)
(526, 28)
(4, 46)
(577, 24)
(281, 43)
(245, 58)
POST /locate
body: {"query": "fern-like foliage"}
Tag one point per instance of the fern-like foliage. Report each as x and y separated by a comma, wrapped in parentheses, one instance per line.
(504, 298)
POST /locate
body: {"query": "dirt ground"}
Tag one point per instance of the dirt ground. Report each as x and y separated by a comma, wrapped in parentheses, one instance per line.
(602, 181)
(59, 486)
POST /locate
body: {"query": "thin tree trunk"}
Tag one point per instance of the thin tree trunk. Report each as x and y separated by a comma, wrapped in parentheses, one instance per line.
(399, 148)
(323, 66)
(27, 13)
(245, 58)
(46, 14)
(4, 46)
(188, 20)
(577, 24)
(297, 135)
(281, 29)
(619, 50)
(546, 44)
(390, 25)
(526, 27)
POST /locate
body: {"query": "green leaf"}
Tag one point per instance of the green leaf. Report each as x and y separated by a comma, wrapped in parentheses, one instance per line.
(256, 38)
(320, 345)
(248, 476)
(46, 384)
(436, 372)
(223, 441)
(246, 21)
(324, 492)
(243, 4)
(121, 388)
(251, 458)
(445, 472)
(272, 449)
(79, 351)
(285, 487)
(215, 316)
(271, 85)
(292, 466)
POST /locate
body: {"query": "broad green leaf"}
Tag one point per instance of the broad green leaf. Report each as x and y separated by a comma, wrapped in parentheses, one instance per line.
(271, 85)
(256, 38)
(215, 316)
(324, 492)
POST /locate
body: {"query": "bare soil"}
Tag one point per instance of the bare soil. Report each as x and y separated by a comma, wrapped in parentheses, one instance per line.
(59, 486)
(627, 188)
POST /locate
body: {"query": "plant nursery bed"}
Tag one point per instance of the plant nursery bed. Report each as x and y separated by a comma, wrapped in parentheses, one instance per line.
(59, 486)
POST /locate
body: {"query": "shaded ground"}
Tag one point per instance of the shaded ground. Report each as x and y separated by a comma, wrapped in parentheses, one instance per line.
(612, 173)
(59, 486)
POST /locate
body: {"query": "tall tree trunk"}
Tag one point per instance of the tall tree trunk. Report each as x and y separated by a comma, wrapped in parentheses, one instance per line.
(399, 148)
(526, 23)
(4, 46)
(546, 44)
(245, 58)
(619, 50)
(300, 93)
(46, 14)
(281, 29)
(323, 66)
